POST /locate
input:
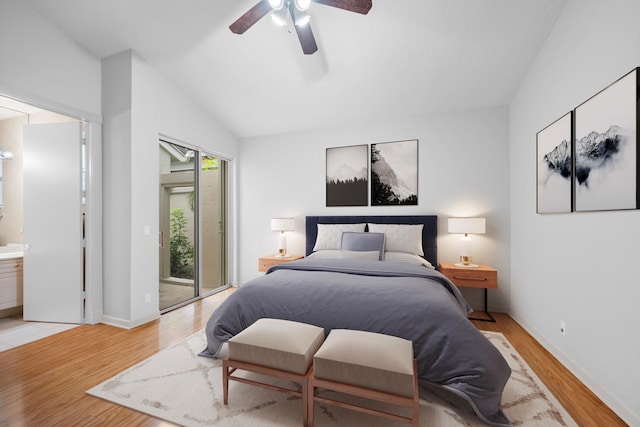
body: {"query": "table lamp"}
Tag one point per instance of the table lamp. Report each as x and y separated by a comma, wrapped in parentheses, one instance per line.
(282, 225)
(466, 226)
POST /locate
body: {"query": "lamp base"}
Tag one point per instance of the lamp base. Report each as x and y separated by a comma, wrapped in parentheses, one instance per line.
(465, 261)
(282, 245)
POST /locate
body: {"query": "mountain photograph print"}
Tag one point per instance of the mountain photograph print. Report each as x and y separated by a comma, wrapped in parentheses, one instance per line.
(606, 148)
(347, 176)
(554, 166)
(394, 173)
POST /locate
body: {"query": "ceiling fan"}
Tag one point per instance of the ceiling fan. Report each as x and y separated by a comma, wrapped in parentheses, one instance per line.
(283, 10)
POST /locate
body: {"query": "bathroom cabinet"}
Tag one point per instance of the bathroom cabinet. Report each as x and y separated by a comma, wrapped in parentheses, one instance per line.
(10, 283)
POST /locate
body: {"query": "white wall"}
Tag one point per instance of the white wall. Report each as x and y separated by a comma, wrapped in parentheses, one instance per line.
(116, 188)
(463, 171)
(154, 107)
(41, 62)
(579, 267)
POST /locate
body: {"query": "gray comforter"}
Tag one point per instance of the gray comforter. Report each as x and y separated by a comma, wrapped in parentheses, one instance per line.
(391, 298)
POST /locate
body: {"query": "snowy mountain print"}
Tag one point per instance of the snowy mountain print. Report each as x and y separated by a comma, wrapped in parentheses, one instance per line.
(388, 187)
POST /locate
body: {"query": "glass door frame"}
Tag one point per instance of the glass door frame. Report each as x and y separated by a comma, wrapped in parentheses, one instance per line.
(223, 230)
(198, 153)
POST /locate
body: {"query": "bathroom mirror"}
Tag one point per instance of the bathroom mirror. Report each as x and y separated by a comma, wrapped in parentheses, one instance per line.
(12, 118)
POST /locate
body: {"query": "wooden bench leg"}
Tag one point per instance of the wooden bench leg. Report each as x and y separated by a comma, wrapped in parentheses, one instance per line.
(305, 399)
(225, 380)
(311, 395)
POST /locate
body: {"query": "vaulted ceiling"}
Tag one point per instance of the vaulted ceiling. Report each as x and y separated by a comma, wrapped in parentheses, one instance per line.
(406, 57)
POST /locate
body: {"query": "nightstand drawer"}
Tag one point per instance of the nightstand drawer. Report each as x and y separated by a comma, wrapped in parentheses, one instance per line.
(482, 276)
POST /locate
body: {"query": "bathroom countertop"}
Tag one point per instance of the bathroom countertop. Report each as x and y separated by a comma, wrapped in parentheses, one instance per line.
(12, 250)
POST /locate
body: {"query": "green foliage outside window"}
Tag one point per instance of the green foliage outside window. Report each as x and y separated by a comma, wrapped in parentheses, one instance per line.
(180, 247)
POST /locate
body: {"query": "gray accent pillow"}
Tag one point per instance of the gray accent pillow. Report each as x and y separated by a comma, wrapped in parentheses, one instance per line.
(363, 242)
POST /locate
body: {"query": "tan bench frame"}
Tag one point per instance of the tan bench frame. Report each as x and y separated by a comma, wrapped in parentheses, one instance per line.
(413, 403)
(230, 366)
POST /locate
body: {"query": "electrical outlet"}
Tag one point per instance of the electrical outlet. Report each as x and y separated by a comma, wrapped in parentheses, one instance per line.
(147, 298)
(563, 328)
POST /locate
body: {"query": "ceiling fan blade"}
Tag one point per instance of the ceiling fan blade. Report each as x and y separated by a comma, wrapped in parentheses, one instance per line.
(307, 41)
(252, 16)
(358, 6)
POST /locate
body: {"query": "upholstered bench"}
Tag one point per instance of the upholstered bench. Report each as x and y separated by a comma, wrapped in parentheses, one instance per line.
(276, 348)
(369, 365)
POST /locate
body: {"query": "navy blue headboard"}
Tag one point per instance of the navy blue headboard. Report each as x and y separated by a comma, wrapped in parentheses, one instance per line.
(429, 231)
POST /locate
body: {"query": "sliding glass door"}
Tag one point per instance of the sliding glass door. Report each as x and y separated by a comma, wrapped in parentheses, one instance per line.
(193, 255)
(213, 241)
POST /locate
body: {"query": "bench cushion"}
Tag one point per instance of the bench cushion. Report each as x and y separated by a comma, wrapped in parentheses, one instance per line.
(278, 344)
(366, 359)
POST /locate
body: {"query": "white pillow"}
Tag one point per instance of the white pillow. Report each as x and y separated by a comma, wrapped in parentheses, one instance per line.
(330, 235)
(372, 255)
(400, 237)
(324, 254)
(405, 257)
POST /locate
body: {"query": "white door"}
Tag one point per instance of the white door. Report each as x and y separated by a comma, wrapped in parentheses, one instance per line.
(53, 253)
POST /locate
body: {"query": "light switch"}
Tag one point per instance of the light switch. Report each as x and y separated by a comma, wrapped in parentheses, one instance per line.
(147, 230)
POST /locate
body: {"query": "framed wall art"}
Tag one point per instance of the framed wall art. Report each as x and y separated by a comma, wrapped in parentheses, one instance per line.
(394, 173)
(606, 148)
(347, 173)
(554, 166)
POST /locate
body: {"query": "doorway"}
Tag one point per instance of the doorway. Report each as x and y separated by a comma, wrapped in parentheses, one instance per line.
(193, 224)
(55, 281)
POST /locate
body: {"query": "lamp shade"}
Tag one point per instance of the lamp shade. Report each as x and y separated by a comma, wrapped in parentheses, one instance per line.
(276, 4)
(282, 224)
(302, 4)
(467, 225)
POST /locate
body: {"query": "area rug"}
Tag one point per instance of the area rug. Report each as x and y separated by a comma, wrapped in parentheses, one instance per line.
(177, 385)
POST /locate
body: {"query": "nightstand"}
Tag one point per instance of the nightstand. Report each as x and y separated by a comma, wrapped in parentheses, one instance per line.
(267, 261)
(483, 276)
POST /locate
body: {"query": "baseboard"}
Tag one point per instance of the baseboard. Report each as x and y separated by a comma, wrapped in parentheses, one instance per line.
(8, 312)
(128, 324)
(93, 317)
(627, 415)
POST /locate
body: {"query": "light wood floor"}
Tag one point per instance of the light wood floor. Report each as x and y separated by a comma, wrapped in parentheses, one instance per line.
(43, 383)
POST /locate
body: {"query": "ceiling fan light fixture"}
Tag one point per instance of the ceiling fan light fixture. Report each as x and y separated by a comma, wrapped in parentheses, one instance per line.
(302, 19)
(276, 4)
(302, 5)
(279, 17)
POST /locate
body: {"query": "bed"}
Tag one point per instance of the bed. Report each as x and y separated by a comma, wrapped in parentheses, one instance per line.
(342, 284)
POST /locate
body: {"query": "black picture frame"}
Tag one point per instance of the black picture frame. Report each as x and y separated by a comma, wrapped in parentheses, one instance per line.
(347, 176)
(606, 151)
(554, 166)
(394, 173)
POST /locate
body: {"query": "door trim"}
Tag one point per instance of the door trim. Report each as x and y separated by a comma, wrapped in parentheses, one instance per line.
(93, 214)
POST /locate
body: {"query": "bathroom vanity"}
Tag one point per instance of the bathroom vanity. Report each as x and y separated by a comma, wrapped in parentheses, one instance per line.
(10, 285)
